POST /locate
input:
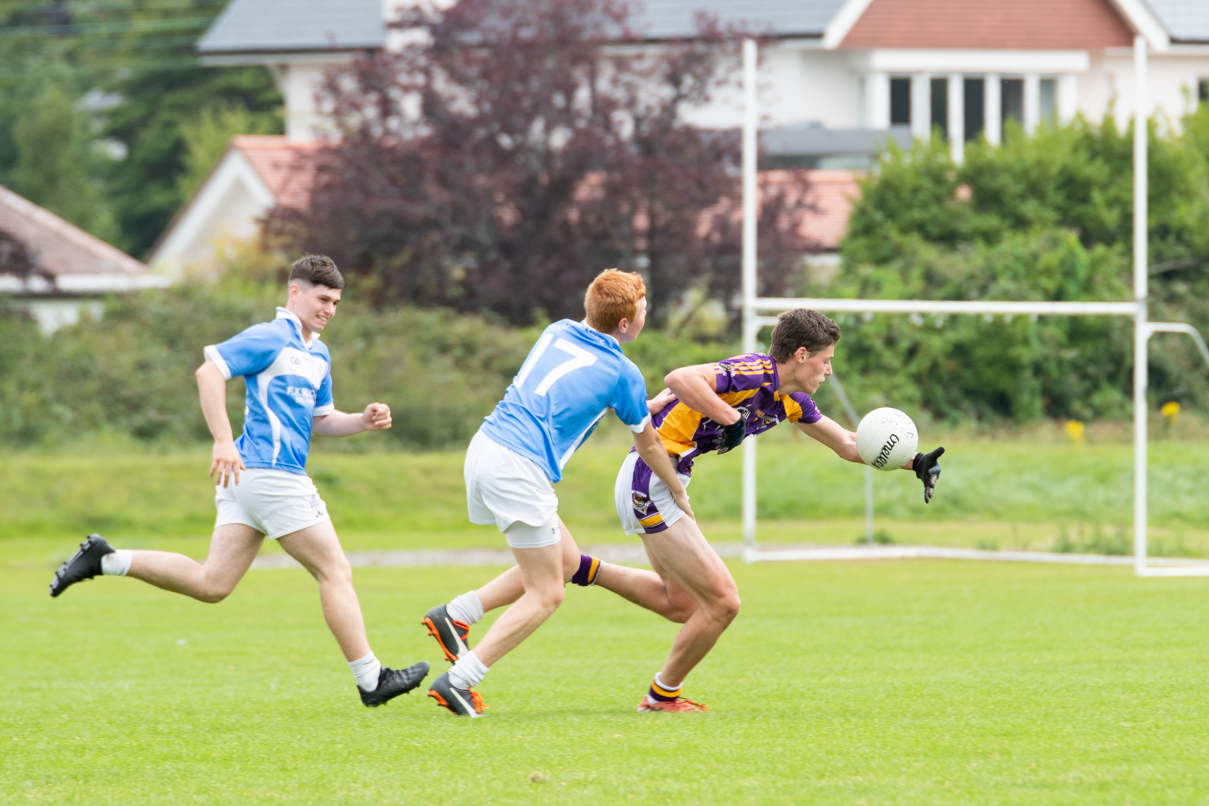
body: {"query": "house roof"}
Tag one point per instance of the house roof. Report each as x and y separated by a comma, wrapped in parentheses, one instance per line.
(286, 165)
(1185, 20)
(76, 260)
(1020, 25)
(295, 25)
(258, 26)
(248, 26)
(667, 19)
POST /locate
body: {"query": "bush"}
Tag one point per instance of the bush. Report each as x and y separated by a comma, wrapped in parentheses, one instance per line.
(131, 372)
(1046, 217)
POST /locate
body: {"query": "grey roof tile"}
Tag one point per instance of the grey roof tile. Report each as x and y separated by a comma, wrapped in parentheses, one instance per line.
(1185, 20)
(285, 25)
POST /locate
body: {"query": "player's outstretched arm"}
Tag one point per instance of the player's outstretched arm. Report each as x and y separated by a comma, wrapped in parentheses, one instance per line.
(834, 436)
(650, 448)
(376, 417)
(927, 470)
(212, 392)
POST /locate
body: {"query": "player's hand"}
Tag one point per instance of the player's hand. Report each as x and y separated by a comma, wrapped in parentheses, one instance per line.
(226, 462)
(927, 470)
(682, 502)
(733, 434)
(376, 417)
(660, 402)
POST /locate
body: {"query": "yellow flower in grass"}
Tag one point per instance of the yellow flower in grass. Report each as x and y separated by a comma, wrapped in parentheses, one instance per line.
(1170, 412)
(1075, 430)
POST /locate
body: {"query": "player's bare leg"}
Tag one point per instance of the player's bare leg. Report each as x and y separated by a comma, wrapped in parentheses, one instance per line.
(318, 550)
(684, 556)
(233, 547)
(543, 582)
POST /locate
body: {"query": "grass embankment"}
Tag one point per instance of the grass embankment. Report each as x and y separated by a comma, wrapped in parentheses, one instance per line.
(1035, 494)
(916, 683)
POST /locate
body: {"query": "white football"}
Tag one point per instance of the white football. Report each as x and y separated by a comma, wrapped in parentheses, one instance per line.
(886, 439)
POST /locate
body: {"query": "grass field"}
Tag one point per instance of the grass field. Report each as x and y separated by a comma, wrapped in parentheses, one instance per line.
(1029, 494)
(921, 682)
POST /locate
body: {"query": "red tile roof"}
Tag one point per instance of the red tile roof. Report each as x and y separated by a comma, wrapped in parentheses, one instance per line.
(286, 165)
(987, 24)
(60, 248)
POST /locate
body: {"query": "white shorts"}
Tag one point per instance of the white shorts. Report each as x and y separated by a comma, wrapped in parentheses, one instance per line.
(273, 502)
(504, 488)
(644, 503)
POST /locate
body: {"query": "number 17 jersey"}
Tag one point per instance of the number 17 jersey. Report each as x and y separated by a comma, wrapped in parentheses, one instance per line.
(572, 377)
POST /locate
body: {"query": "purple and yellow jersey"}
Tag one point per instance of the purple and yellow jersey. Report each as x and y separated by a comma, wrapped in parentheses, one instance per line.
(747, 383)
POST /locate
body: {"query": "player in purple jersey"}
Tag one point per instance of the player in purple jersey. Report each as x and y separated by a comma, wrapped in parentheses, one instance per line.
(713, 408)
(262, 488)
(716, 407)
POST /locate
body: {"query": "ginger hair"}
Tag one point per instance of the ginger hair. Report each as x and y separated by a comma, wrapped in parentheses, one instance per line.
(611, 297)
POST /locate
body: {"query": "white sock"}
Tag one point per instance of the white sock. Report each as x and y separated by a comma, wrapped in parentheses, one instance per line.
(466, 607)
(468, 672)
(366, 670)
(117, 563)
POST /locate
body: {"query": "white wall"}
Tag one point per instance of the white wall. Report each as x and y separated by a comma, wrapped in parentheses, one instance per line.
(1170, 86)
(228, 207)
(796, 85)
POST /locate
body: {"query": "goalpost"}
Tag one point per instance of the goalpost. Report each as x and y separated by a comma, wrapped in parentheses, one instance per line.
(755, 310)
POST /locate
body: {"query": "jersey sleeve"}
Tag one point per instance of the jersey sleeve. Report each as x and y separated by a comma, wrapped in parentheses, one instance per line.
(800, 407)
(248, 352)
(629, 398)
(743, 373)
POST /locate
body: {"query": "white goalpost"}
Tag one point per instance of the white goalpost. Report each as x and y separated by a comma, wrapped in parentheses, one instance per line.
(755, 312)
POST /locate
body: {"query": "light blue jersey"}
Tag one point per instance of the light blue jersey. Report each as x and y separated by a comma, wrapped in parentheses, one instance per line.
(288, 382)
(573, 375)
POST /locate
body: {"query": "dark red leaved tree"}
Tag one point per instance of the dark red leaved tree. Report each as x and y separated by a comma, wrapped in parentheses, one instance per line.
(509, 150)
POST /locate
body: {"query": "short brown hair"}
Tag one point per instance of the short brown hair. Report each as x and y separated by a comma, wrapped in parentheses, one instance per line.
(317, 270)
(613, 296)
(802, 327)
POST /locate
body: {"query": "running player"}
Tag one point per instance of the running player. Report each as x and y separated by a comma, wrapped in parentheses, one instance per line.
(573, 375)
(262, 485)
(715, 407)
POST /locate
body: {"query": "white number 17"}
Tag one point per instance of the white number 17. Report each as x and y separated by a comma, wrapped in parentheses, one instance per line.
(579, 359)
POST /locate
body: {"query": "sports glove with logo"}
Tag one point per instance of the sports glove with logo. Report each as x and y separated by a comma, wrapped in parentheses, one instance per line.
(927, 470)
(733, 434)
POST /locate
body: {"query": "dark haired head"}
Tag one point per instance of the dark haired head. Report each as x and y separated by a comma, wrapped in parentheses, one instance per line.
(317, 270)
(802, 327)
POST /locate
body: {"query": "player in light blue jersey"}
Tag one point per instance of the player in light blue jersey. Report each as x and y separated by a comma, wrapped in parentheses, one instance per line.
(574, 375)
(262, 485)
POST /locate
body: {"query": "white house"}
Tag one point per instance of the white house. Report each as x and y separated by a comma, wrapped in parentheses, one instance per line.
(256, 174)
(839, 77)
(838, 65)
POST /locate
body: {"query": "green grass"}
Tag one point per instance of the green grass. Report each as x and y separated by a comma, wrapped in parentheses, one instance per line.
(875, 683)
(1033, 494)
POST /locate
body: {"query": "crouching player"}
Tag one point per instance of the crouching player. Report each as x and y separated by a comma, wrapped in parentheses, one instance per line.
(572, 377)
(262, 486)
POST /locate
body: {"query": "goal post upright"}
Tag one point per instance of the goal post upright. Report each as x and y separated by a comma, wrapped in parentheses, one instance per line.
(1141, 335)
(748, 290)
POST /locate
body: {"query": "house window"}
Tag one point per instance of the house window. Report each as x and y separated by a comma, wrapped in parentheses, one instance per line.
(940, 106)
(900, 102)
(1011, 102)
(1202, 90)
(1049, 100)
(975, 111)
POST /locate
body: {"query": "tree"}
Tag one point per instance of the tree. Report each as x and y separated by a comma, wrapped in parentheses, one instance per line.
(510, 150)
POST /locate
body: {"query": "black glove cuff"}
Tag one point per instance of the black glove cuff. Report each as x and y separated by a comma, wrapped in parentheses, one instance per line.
(917, 463)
